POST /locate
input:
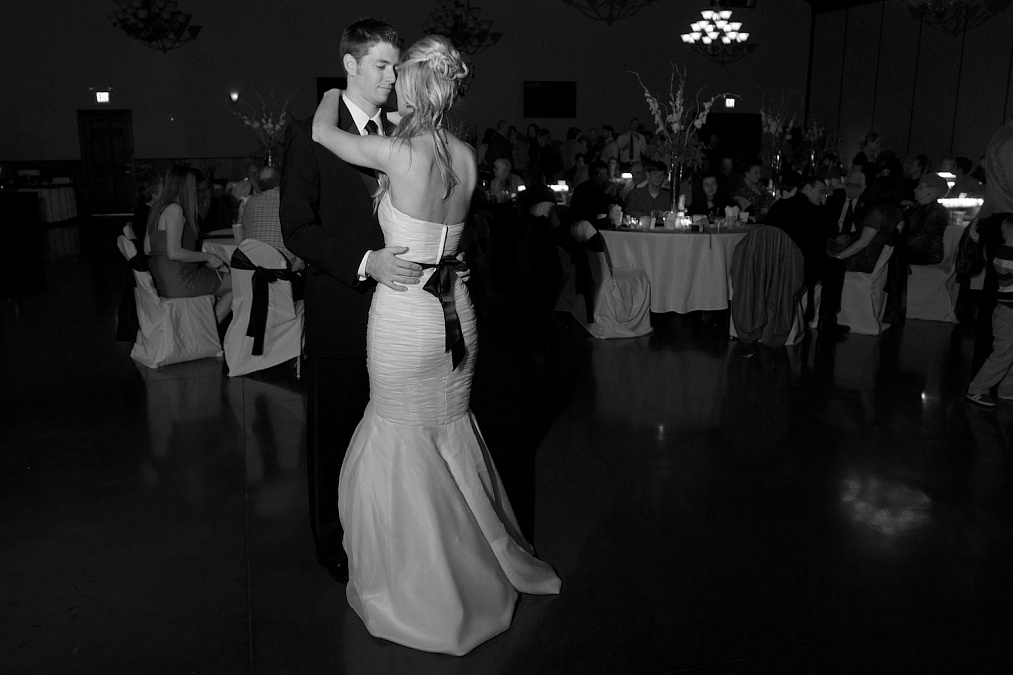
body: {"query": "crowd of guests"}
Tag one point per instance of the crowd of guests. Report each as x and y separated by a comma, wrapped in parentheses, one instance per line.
(840, 216)
(176, 210)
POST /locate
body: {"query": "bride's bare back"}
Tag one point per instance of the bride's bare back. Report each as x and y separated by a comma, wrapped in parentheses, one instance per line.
(416, 186)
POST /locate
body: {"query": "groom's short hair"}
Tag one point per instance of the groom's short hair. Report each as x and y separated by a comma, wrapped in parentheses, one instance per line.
(364, 33)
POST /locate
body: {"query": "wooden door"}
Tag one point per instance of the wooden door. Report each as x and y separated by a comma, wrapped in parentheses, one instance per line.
(107, 151)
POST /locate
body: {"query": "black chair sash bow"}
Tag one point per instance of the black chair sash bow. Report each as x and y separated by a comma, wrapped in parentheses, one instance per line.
(127, 324)
(262, 278)
(441, 285)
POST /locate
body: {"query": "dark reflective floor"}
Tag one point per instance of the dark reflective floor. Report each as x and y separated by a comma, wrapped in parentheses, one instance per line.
(710, 507)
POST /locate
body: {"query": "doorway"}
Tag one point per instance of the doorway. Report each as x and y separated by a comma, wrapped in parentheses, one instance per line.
(107, 152)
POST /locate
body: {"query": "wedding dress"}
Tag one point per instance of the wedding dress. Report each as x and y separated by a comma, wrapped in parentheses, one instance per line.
(436, 559)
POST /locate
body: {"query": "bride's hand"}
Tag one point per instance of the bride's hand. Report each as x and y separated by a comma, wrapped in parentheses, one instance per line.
(394, 117)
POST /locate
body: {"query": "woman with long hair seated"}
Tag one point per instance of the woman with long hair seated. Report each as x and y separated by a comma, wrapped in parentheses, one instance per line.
(709, 199)
(177, 267)
(436, 558)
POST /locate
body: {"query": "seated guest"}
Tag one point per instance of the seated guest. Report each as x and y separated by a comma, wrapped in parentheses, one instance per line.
(248, 186)
(964, 183)
(914, 169)
(504, 184)
(638, 180)
(535, 191)
(728, 179)
(798, 214)
(646, 200)
(710, 200)
(878, 225)
(212, 212)
(591, 199)
(177, 267)
(926, 222)
(260, 216)
(845, 208)
(150, 188)
(578, 173)
(751, 196)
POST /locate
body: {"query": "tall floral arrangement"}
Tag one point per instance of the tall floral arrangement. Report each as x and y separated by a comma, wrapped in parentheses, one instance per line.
(778, 132)
(675, 140)
(268, 122)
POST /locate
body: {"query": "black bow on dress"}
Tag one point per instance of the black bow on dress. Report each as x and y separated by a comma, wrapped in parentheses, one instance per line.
(441, 285)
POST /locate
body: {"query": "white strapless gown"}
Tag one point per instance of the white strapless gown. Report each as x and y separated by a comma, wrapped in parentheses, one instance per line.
(436, 558)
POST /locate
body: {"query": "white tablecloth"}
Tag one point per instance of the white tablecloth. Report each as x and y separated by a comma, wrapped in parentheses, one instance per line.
(223, 248)
(56, 203)
(689, 271)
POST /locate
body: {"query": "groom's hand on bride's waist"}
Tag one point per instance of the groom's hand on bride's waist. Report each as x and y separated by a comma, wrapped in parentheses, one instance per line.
(391, 271)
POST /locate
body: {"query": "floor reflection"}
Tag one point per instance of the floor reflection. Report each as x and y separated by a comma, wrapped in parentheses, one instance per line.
(710, 506)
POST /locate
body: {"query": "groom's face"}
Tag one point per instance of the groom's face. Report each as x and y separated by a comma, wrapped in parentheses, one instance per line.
(373, 76)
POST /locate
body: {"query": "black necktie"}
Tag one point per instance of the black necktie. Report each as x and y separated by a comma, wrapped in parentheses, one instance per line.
(371, 128)
(849, 218)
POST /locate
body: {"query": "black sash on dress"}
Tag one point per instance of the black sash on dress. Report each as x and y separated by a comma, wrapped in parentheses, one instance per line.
(441, 285)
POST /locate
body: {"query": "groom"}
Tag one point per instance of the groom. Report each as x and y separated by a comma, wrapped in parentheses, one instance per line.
(327, 219)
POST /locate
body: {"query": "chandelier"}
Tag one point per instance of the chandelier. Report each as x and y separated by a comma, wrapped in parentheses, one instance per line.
(718, 38)
(156, 23)
(955, 16)
(459, 21)
(608, 11)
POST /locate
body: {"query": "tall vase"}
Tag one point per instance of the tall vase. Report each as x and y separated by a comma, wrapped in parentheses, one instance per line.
(270, 157)
(675, 179)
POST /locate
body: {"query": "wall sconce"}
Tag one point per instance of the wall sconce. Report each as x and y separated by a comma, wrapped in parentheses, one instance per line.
(234, 95)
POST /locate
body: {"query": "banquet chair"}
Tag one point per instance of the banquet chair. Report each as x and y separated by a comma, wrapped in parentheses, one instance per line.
(616, 303)
(267, 321)
(863, 299)
(767, 288)
(170, 330)
(932, 289)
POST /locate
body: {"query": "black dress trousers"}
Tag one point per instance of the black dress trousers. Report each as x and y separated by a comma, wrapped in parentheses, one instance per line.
(337, 391)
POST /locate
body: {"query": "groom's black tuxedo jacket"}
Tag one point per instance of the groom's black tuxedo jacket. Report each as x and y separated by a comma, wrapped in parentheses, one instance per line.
(327, 219)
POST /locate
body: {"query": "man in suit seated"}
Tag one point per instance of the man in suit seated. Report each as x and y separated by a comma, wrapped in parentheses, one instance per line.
(260, 216)
(639, 180)
(642, 201)
(590, 200)
(799, 214)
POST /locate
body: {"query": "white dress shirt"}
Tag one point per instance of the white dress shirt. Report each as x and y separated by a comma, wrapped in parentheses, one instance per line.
(360, 118)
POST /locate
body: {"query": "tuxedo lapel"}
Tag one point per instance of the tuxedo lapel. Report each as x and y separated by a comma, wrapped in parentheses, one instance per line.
(346, 123)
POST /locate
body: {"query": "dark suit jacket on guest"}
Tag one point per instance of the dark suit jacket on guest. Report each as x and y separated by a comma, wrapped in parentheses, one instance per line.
(327, 219)
(832, 211)
(804, 223)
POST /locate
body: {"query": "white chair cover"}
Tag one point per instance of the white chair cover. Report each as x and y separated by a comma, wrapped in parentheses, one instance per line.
(932, 289)
(863, 300)
(622, 296)
(283, 334)
(542, 209)
(172, 330)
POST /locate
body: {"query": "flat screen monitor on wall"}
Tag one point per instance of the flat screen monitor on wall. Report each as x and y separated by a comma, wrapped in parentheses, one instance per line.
(550, 99)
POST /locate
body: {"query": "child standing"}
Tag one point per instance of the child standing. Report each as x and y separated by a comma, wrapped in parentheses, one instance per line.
(998, 368)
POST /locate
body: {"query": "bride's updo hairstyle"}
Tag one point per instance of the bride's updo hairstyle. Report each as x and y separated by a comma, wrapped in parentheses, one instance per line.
(430, 75)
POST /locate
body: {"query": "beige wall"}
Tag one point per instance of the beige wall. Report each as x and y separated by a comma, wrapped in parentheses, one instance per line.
(180, 99)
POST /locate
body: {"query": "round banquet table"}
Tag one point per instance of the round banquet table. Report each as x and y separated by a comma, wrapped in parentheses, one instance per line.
(689, 271)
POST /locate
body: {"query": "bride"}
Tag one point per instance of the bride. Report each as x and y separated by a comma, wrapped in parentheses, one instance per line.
(436, 559)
